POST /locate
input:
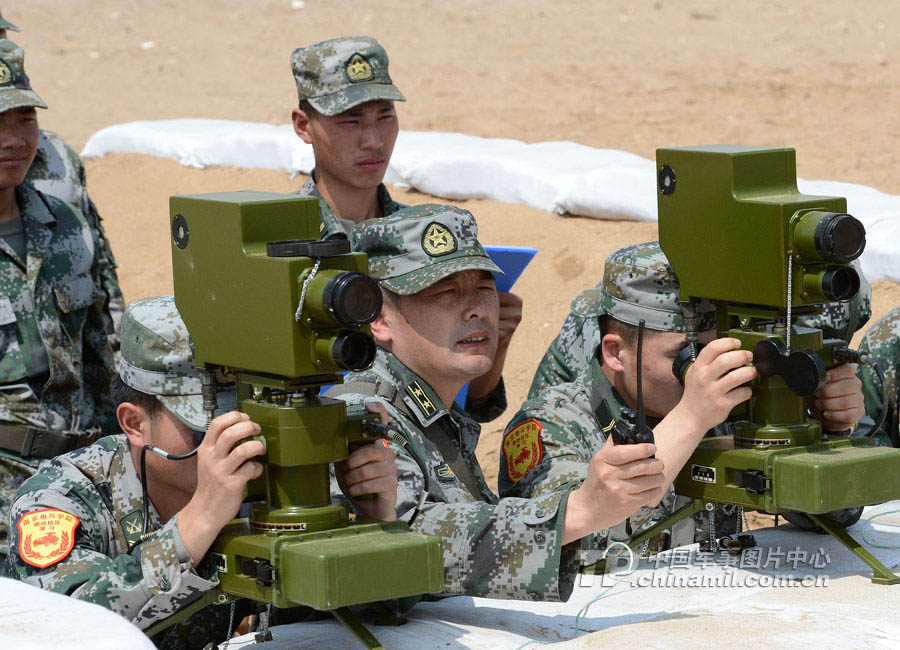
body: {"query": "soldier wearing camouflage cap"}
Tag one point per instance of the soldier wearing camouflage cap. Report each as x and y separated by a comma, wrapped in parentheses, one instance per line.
(438, 328)
(58, 171)
(55, 358)
(569, 422)
(347, 114)
(77, 525)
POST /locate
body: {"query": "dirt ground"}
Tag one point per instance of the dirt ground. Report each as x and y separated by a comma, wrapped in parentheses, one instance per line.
(823, 77)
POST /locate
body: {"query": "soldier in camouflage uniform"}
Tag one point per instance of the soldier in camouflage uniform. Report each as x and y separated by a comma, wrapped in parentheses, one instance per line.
(58, 171)
(347, 114)
(76, 526)
(572, 418)
(882, 342)
(55, 359)
(437, 329)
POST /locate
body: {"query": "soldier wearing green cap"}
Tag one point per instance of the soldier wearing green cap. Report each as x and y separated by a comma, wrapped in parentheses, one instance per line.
(55, 358)
(58, 171)
(438, 328)
(78, 526)
(347, 114)
(569, 422)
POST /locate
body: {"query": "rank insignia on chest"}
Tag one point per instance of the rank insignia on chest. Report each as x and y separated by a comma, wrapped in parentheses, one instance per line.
(523, 449)
(46, 536)
(444, 473)
(418, 393)
(132, 525)
(359, 69)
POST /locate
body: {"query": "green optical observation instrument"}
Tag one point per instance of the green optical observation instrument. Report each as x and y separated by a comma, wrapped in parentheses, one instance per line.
(267, 301)
(740, 235)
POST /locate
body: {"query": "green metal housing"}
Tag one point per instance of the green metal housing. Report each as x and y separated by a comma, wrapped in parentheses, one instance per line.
(243, 262)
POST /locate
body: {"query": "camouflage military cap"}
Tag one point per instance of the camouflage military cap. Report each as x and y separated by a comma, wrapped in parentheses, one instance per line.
(336, 75)
(417, 246)
(638, 283)
(5, 24)
(15, 90)
(157, 359)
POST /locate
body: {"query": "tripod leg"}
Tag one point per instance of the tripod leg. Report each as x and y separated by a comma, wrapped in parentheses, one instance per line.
(881, 575)
(349, 619)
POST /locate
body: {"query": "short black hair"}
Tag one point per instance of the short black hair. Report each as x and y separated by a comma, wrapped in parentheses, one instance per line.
(628, 332)
(122, 392)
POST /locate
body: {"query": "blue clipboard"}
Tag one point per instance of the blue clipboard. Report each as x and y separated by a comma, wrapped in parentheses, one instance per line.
(512, 260)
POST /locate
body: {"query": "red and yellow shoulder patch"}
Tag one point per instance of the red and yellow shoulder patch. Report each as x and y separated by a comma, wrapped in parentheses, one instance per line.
(46, 536)
(523, 449)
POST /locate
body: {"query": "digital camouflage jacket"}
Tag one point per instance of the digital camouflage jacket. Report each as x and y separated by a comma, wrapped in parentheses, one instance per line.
(493, 548)
(52, 309)
(95, 493)
(329, 223)
(882, 342)
(58, 171)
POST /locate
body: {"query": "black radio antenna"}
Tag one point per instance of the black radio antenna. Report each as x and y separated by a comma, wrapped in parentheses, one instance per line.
(641, 415)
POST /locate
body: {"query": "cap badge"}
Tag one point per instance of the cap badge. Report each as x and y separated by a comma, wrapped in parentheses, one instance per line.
(438, 240)
(359, 69)
(5, 73)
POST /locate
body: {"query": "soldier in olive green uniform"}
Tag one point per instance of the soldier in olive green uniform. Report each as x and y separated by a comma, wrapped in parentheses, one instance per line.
(438, 327)
(573, 418)
(76, 526)
(882, 342)
(347, 114)
(55, 359)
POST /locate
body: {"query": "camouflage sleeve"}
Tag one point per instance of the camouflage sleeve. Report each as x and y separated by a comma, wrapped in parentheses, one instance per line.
(508, 549)
(569, 354)
(882, 342)
(490, 407)
(109, 279)
(568, 436)
(511, 549)
(97, 350)
(147, 585)
(557, 424)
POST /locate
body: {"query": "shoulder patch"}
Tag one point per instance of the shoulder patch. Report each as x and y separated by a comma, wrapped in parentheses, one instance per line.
(418, 393)
(523, 449)
(46, 536)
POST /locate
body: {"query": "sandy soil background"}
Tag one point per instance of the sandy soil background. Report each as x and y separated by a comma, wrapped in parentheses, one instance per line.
(823, 77)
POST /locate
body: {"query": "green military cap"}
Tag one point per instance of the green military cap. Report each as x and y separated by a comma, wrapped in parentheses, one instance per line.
(417, 246)
(156, 359)
(15, 91)
(336, 75)
(639, 284)
(5, 24)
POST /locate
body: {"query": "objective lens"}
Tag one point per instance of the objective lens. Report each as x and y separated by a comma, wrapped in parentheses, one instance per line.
(840, 238)
(353, 299)
(840, 283)
(353, 351)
